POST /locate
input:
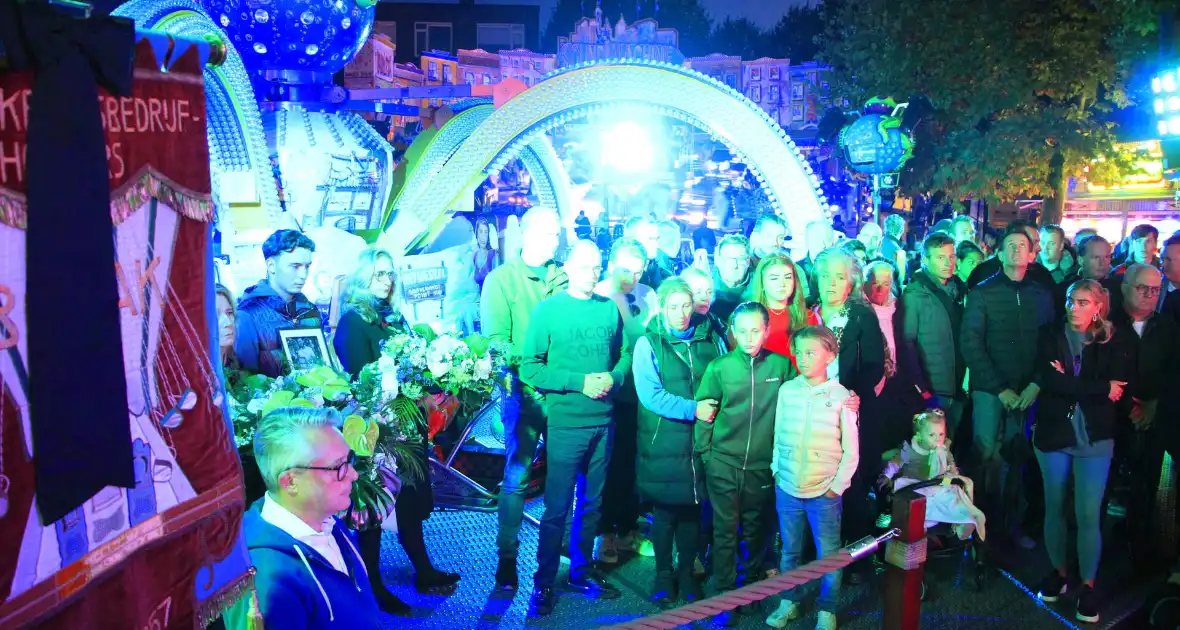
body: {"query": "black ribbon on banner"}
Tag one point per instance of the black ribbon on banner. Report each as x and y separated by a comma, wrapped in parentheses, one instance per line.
(78, 387)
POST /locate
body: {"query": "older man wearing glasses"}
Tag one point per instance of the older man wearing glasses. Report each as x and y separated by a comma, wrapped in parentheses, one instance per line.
(309, 571)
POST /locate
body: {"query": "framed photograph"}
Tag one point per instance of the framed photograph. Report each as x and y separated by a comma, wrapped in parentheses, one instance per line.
(797, 111)
(305, 348)
(756, 94)
(774, 73)
(796, 91)
(755, 74)
(774, 94)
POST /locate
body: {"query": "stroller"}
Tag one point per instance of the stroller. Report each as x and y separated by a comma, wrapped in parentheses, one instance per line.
(941, 540)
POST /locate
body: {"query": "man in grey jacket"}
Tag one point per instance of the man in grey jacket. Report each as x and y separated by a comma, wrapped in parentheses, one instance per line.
(933, 307)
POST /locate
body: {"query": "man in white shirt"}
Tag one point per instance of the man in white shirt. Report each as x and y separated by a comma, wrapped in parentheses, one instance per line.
(309, 571)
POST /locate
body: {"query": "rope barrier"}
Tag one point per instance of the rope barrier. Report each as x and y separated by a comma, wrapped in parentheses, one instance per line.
(758, 591)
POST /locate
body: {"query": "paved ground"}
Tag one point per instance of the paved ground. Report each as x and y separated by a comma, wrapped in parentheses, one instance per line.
(465, 542)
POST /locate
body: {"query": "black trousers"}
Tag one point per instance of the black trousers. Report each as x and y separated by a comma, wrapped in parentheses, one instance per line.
(620, 502)
(739, 498)
(679, 523)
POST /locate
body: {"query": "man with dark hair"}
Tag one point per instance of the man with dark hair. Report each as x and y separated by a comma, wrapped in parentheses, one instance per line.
(1036, 272)
(1170, 265)
(668, 257)
(933, 307)
(1052, 251)
(275, 303)
(999, 340)
(1140, 248)
(768, 237)
(963, 229)
(1093, 263)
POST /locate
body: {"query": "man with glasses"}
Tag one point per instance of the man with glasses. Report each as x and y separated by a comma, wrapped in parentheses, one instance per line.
(309, 572)
(731, 274)
(1139, 451)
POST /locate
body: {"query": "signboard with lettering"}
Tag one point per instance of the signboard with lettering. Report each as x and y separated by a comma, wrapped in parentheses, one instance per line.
(420, 285)
(179, 519)
(383, 54)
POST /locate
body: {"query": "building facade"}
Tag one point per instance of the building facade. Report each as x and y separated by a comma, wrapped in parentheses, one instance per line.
(525, 66)
(767, 82)
(725, 68)
(809, 96)
(419, 27)
(479, 67)
(594, 39)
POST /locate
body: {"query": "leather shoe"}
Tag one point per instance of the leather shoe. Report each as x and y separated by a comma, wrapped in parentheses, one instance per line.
(506, 580)
(591, 584)
(543, 600)
(435, 581)
(389, 603)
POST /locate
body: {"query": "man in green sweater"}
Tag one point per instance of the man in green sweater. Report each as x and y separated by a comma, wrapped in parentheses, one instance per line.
(575, 354)
(510, 293)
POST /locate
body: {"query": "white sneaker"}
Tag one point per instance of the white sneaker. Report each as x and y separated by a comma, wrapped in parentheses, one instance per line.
(827, 621)
(606, 549)
(786, 612)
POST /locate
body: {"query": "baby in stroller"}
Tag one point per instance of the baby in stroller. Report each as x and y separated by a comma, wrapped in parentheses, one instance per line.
(926, 458)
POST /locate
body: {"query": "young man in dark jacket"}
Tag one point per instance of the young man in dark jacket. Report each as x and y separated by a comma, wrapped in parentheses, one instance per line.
(309, 572)
(576, 356)
(275, 303)
(999, 342)
(737, 447)
(1035, 272)
(933, 309)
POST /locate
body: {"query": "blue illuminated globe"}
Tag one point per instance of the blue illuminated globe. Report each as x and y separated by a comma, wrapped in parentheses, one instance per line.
(299, 35)
(867, 151)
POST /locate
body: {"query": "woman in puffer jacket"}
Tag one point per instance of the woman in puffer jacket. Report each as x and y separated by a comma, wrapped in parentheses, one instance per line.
(669, 361)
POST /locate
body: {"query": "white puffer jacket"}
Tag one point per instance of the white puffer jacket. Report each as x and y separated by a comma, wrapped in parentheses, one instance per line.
(815, 439)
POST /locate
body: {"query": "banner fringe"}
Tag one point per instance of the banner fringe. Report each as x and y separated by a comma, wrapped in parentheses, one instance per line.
(214, 606)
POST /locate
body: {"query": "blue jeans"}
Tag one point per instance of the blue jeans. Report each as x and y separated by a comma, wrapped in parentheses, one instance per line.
(524, 423)
(998, 438)
(576, 460)
(822, 515)
(1089, 486)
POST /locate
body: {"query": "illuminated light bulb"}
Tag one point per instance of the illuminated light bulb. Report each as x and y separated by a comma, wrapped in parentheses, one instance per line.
(1156, 85)
(1162, 126)
(1174, 103)
(1169, 82)
(1174, 125)
(1159, 105)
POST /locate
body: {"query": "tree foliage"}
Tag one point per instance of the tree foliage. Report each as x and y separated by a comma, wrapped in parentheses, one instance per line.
(739, 37)
(1015, 84)
(795, 35)
(688, 17)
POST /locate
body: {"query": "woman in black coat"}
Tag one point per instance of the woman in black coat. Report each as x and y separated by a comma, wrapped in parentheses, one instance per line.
(368, 319)
(670, 360)
(842, 308)
(1083, 368)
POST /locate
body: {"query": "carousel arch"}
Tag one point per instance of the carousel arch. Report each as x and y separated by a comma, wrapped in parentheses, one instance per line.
(550, 179)
(585, 89)
(237, 142)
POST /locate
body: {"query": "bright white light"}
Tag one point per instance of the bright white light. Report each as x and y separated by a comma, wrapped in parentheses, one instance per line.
(1169, 81)
(1156, 85)
(710, 165)
(628, 147)
(1159, 105)
(1162, 126)
(1174, 125)
(1174, 103)
(724, 166)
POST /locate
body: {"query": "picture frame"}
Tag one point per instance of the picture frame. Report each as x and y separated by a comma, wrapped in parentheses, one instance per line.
(755, 74)
(774, 73)
(797, 111)
(756, 94)
(774, 94)
(796, 91)
(305, 348)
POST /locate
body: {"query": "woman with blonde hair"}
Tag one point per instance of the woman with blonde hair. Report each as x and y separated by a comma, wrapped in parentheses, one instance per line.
(369, 318)
(1083, 369)
(778, 285)
(227, 312)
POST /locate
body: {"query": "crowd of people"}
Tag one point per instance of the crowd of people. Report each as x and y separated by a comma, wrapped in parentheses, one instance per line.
(736, 393)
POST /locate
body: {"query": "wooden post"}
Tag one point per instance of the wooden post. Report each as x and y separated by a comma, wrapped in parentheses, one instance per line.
(906, 557)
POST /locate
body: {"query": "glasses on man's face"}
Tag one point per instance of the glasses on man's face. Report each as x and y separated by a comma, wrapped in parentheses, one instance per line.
(341, 470)
(1147, 291)
(632, 306)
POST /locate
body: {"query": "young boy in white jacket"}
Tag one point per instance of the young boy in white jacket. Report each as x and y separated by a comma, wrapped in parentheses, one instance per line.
(814, 457)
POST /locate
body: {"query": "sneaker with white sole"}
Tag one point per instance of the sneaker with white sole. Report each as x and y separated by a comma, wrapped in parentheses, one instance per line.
(827, 621)
(786, 612)
(606, 549)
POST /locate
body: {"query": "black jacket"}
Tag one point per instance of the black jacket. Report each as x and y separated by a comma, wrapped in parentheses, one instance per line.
(1171, 303)
(990, 267)
(666, 469)
(1102, 363)
(261, 314)
(1000, 329)
(932, 322)
(1159, 354)
(862, 351)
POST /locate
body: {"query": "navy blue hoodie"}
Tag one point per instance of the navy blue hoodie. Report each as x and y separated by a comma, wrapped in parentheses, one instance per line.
(299, 589)
(261, 314)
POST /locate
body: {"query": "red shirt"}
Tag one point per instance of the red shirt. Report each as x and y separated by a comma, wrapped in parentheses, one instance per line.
(778, 340)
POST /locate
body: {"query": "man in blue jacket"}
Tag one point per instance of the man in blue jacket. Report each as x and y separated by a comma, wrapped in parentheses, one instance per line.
(275, 303)
(309, 571)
